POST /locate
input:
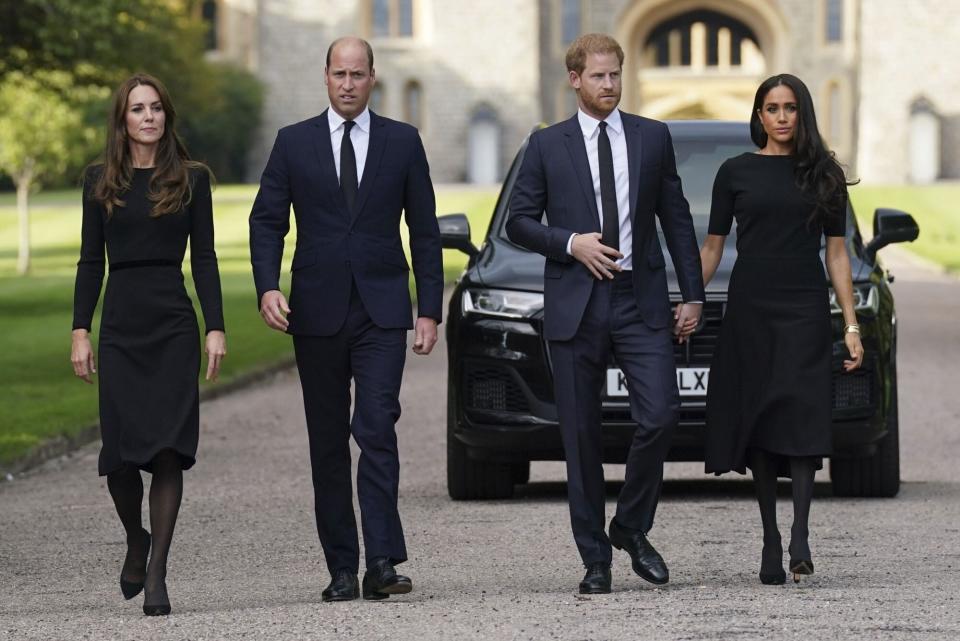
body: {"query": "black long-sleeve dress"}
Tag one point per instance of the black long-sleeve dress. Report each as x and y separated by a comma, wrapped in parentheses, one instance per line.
(770, 380)
(149, 348)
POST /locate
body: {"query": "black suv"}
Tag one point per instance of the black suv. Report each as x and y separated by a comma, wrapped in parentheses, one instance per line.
(500, 404)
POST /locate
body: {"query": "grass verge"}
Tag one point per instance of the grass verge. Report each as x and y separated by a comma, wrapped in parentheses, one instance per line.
(41, 398)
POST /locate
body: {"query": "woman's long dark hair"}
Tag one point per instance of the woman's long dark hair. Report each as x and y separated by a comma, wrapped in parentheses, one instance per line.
(818, 173)
(170, 188)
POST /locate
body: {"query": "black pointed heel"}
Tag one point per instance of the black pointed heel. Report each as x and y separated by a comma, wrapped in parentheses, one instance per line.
(130, 589)
(161, 607)
(800, 564)
(800, 567)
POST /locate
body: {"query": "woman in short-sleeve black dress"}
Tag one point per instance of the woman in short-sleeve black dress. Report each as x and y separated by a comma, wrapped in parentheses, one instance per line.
(141, 206)
(769, 398)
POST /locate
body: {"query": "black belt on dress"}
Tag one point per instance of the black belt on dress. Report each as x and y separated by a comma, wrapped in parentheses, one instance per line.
(153, 262)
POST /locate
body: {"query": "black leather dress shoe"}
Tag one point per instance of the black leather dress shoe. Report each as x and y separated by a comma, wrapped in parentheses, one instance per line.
(647, 562)
(381, 580)
(596, 580)
(343, 587)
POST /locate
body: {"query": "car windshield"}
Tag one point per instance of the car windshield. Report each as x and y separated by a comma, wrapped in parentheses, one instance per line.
(697, 164)
(698, 159)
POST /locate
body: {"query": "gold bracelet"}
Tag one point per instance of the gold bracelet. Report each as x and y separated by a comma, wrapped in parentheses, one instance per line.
(852, 328)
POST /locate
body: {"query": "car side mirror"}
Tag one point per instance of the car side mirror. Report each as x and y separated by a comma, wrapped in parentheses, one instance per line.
(890, 226)
(455, 233)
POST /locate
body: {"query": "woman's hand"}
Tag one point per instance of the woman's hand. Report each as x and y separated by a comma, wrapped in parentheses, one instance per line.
(216, 349)
(855, 347)
(81, 355)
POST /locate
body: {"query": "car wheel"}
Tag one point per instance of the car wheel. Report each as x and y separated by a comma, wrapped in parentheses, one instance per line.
(877, 475)
(520, 472)
(469, 479)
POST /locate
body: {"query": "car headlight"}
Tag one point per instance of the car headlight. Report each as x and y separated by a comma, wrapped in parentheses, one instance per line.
(866, 298)
(502, 302)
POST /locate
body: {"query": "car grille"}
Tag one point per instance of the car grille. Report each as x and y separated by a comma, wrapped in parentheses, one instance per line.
(853, 390)
(493, 388)
(699, 349)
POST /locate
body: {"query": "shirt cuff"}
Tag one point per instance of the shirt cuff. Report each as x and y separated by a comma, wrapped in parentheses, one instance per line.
(570, 244)
(695, 302)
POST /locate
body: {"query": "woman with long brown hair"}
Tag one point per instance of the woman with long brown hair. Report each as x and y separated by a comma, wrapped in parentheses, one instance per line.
(141, 205)
(769, 400)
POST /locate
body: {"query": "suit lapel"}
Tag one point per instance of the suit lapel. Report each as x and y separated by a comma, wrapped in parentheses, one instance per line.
(631, 128)
(328, 170)
(378, 140)
(578, 155)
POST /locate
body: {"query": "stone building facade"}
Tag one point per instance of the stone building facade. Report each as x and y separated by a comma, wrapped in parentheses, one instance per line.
(475, 77)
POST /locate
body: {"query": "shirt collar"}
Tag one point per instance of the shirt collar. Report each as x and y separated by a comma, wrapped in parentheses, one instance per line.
(589, 124)
(336, 120)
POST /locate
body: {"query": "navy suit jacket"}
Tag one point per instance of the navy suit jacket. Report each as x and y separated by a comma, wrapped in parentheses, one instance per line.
(555, 178)
(335, 248)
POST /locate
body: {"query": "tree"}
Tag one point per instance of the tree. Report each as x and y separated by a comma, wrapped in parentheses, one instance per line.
(40, 133)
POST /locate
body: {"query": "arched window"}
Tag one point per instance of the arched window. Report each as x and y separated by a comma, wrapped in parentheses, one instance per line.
(484, 146)
(834, 20)
(391, 18)
(924, 141)
(208, 12)
(571, 20)
(413, 104)
(701, 38)
(834, 128)
(566, 101)
(377, 98)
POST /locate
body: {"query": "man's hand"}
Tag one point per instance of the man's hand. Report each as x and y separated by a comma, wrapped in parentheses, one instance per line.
(425, 336)
(599, 259)
(216, 349)
(686, 318)
(274, 310)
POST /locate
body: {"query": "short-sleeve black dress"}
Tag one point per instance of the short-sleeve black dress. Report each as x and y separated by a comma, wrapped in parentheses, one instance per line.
(770, 379)
(149, 348)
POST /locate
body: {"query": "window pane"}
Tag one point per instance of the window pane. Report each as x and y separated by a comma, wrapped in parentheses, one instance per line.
(570, 20)
(405, 7)
(376, 99)
(380, 17)
(834, 115)
(412, 98)
(209, 14)
(834, 20)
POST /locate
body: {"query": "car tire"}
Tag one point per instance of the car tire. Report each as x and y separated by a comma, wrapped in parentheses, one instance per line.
(520, 472)
(469, 479)
(877, 475)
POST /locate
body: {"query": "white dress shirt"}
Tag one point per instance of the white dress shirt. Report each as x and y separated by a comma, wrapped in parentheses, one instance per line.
(621, 176)
(359, 136)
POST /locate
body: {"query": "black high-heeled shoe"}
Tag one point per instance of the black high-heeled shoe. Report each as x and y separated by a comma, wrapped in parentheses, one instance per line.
(159, 603)
(800, 563)
(771, 565)
(130, 589)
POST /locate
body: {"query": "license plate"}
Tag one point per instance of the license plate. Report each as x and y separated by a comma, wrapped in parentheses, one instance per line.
(691, 381)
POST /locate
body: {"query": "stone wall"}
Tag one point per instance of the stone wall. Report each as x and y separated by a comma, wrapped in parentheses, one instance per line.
(908, 50)
(464, 56)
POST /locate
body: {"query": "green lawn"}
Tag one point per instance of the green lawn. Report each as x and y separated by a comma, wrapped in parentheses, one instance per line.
(935, 207)
(38, 392)
(41, 398)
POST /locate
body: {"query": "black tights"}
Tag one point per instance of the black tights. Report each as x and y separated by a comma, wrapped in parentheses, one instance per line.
(802, 471)
(166, 489)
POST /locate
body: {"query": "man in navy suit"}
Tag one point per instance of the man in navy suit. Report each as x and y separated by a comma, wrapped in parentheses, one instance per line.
(601, 177)
(349, 174)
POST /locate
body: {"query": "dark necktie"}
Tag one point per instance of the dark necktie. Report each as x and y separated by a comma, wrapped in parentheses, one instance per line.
(610, 235)
(348, 167)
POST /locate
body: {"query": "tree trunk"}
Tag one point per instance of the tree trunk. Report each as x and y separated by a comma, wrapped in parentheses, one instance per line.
(23, 182)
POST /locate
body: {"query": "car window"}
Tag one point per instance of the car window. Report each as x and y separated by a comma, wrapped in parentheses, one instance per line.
(697, 164)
